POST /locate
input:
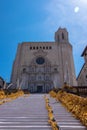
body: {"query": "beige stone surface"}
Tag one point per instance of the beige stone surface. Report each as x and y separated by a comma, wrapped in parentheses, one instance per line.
(57, 68)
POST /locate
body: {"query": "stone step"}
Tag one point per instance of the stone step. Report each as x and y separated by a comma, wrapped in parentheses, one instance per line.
(31, 122)
(27, 127)
(65, 120)
(72, 127)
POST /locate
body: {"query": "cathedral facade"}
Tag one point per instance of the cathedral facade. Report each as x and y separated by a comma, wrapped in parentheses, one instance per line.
(40, 66)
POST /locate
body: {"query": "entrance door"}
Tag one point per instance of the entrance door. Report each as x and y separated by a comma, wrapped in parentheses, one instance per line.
(39, 89)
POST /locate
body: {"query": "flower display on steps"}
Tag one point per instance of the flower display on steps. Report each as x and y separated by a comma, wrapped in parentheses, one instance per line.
(75, 104)
(8, 97)
(2, 95)
(51, 119)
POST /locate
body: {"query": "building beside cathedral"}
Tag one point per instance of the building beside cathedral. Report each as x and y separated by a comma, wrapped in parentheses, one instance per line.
(1, 82)
(82, 77)
(40, 66)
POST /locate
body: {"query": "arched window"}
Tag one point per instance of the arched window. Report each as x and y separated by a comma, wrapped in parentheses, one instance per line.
(46, 47)
(58, 38)
(24, 70)
(50, 47)
(62, 35)
(86, 76)
(34, 47)
(55, 69)
(37, 47)
(30, 48)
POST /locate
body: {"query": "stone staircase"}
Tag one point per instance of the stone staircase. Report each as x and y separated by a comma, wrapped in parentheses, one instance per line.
(29, 113)
(24, 113)
(64, 119)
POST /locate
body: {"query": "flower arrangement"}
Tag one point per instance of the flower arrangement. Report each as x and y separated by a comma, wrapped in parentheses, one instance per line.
(51, 119)
(52, 94)
(75, 104)
(15, 95)
(5, 97)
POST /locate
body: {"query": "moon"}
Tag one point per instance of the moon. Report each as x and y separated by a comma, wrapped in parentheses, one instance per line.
(76, 9)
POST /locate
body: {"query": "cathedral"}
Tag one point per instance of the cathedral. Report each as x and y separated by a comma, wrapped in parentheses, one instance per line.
(40, 66)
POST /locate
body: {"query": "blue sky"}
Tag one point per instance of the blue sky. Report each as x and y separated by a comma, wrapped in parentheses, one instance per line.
(37, 20)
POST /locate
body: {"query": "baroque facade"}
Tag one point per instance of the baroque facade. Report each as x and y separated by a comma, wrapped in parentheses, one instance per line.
(82, 77)
(40, 66)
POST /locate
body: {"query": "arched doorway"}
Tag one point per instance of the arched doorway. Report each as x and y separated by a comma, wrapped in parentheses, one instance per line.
(39, 89)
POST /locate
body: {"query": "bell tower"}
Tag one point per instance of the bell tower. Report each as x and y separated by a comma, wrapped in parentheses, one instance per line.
(65, 54)
(61, 35)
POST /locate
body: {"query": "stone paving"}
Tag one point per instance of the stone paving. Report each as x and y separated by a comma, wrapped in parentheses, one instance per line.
(29, 113)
